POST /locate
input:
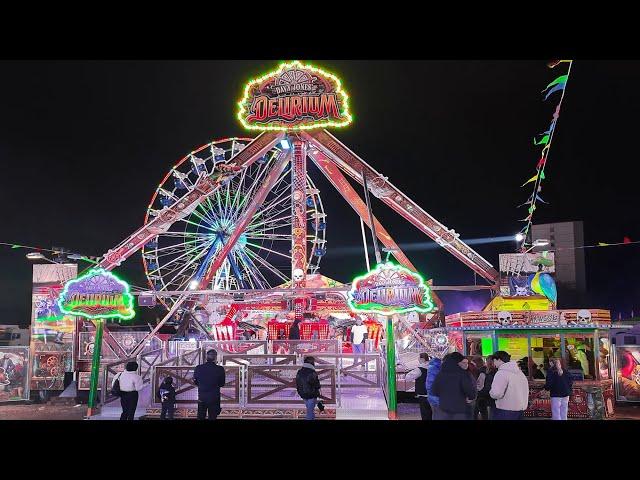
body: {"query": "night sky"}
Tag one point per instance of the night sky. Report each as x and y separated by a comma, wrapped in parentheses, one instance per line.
(83, 144)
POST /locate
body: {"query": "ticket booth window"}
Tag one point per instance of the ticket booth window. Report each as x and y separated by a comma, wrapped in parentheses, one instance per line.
(479, 343)
(579, 355)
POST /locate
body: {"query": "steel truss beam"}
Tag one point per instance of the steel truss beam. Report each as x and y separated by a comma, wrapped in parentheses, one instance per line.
(379, 186)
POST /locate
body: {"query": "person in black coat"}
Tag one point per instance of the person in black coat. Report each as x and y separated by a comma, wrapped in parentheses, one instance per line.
(454, 386)
(559, 384)
(308, 386)
(167, 395)
(294, 331)
(485, 403)
(209, 378)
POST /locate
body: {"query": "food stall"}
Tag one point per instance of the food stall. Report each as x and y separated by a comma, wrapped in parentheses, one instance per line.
(579, 337)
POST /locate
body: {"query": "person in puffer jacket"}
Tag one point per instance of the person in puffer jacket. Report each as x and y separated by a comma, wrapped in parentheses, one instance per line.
(432, 371)
(308, 386)
(455, 387)
(510, 388)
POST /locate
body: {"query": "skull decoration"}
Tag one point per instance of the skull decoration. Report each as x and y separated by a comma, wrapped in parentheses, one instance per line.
(298, 274)
(504, 318)
(583, 316)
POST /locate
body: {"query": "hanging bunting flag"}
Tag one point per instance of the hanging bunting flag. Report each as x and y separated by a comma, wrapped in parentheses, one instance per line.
(532, 208)
(558, 87)
(532, 179)
(555, 63)
(15, 246)
(626, 240)
(542, 177)
(543, 141)
(541, 200)
(601, 244)
(541, 163)
(560, 79)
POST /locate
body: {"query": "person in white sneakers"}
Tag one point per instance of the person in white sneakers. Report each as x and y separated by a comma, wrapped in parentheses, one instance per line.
(510, 388)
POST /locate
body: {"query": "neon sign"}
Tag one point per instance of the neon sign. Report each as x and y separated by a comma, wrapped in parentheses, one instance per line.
(97, 294)
(294, 97)
(390, 289)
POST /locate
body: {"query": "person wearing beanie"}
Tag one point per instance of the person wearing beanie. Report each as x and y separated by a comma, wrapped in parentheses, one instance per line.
(510, 388)
(454, 387)
(308, 386)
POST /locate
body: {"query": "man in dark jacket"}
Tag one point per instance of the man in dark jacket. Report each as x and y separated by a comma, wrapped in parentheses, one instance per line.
(209, 378)
(294, 331)
(454, 386)
(308, 386)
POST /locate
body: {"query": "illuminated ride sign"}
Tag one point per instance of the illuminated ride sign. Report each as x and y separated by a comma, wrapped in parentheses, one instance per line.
(390, 289)
(97, 294)
(294, 97)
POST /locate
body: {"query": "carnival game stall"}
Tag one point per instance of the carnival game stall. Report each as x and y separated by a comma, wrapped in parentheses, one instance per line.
(579, 337)
(625, 363)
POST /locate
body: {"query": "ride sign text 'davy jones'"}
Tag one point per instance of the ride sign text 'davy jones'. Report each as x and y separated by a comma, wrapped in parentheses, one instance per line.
(294, 97)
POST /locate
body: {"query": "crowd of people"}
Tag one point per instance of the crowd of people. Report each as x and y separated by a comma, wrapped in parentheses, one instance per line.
(461, 388)
(454, 388)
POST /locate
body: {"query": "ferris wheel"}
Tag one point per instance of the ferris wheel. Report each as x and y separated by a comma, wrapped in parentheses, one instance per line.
(261, 258)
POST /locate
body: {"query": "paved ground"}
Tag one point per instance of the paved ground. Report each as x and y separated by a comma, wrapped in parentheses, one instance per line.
(406, 411)
(42, 412)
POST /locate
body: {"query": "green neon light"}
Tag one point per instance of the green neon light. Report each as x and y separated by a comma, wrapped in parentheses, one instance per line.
(122, 304)
(242, 112)
(373, 307)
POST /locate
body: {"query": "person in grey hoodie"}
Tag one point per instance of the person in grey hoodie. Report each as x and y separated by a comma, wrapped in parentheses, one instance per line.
(510, 388)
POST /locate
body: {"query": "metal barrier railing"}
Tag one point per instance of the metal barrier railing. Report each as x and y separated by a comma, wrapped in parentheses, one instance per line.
(236, 346)
(145, 361)
(269, 385)
(265, 360)
(303, 347)
(187, 390)
(354, 370)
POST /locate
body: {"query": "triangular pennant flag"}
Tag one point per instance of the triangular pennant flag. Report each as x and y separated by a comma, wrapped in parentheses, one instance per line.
(15, 246)
(556, 114)
(542, 174)
(541, 163)
(555, 63)
(546, 147)
(532, 179)
(543, 141)
(559, 86)
(541, 200)
(532, 208)
(626, 240)
(525, 219)
(601, 244)
(560, 79)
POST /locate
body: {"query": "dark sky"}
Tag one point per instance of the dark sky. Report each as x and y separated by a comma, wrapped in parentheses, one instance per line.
(83, 145)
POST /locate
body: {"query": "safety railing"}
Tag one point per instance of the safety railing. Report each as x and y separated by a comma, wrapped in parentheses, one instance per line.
(236, 346)
(265, 360)
(127, 341)
(270, 385)
(354, 370)
(187, 390)
(303, 347)
(145, 360)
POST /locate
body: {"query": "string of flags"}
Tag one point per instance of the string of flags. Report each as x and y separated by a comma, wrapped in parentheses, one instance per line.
(544, 140)
(73, 256)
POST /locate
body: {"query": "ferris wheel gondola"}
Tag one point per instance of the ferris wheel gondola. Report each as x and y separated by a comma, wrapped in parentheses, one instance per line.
(179, 258)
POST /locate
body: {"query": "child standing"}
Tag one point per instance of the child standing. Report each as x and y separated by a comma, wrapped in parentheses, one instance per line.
(167, 395)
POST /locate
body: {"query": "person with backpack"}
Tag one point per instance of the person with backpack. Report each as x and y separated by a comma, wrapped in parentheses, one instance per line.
(167, 395)
(308, 386)
(209, 378)
(432, 372)
(510, 388)
(455, 388)
(126, 385)
(559, 383)
(419, 375)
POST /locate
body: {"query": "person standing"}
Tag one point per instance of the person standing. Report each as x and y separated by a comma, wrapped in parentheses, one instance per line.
(419, 375)
(559, 384)
(308, 386)
(130, 384)
(294, 331)
(432, 372)
(510, 388)
(485, 404)
(209, 378)
(358, 336)
(167, 396)
(454, 386)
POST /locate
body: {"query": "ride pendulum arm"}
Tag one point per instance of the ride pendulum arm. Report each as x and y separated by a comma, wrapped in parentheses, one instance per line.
(338, 180)
(354, 166)
(204, 187)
